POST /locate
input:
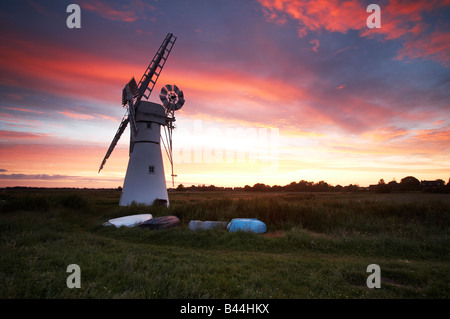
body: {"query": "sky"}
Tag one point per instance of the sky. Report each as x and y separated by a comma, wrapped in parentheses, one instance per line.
(276, 90)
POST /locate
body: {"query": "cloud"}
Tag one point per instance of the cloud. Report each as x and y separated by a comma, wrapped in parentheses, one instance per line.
(57, 165)
(21, 135)
(74, 180)
(399, 20)
(109, 118)
(14, 96)
(387, 134)
(64, 72)
(77, 116)
(332, 16)
(3, 170)
(24, 110)
(117, 12)
(436, 47)
(37, 176)
(106, 11)
(436, 137)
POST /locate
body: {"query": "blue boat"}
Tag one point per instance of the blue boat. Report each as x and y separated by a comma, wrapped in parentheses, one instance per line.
(247, 224)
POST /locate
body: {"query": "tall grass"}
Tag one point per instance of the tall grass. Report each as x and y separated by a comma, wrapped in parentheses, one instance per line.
(322, 215)
(43, 202)
(322, 246)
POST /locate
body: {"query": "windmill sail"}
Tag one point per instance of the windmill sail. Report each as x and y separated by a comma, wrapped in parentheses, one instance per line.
(146, 83)
(153, 71)
(119, 132)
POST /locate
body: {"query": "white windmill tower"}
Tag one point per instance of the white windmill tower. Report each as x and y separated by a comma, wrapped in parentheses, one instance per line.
(145, 179)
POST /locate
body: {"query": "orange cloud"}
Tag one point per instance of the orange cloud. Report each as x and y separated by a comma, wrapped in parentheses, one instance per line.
(33, 160)
(65, 72)
(434, 136)
(386, 133)
(77, 116)
(24, 110)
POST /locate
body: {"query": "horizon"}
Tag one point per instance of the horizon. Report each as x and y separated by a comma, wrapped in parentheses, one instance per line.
(275, 91)
(234, 187)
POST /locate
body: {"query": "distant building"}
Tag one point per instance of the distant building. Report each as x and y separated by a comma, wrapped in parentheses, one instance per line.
(432, 186)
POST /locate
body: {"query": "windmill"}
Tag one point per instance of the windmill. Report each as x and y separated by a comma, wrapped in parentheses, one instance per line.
(145, 179)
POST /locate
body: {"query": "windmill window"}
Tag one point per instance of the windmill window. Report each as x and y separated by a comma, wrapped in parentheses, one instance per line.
(151, 169)
(149, 125)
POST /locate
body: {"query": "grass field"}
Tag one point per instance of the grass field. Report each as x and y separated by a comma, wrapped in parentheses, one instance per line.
(318, 245)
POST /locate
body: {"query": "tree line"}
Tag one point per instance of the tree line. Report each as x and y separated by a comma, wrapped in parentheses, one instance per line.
(409, 183)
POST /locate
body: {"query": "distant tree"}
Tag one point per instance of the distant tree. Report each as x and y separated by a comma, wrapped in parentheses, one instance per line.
(247, 188)
(305, 186)
(261, 187)
(382, 187)
(277, 188)
(409, 183)
(292, 187)
(393, 185)
(351, 188)
(181, 187)
(321, 186)
(393, 182)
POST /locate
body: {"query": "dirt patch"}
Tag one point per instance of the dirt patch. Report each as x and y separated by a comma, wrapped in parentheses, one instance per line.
(274, 234)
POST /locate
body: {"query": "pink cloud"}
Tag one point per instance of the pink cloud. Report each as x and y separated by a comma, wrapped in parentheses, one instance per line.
(125, 13)
(84, 116)
(21, 135)
(60, 165)
(436, 46)
(400, 19)
(77, 116)
(109, 118)
(106, 11)
(386, 133)
(321, 14)
(24, 110)
(67, 73)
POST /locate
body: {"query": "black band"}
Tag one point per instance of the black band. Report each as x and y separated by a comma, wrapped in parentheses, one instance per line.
(146, 142)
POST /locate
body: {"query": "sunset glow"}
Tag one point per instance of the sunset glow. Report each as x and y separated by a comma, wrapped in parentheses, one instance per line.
(276, 90)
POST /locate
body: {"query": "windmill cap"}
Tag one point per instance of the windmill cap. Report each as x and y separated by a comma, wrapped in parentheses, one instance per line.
(151, 112)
